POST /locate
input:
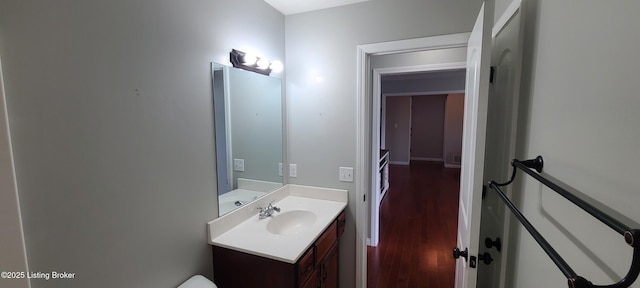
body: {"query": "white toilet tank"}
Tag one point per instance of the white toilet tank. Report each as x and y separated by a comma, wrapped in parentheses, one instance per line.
(198, 281)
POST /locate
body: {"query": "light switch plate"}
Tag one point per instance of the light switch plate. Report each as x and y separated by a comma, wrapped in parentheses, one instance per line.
(238, 165)
(293, 170)
(346, 174)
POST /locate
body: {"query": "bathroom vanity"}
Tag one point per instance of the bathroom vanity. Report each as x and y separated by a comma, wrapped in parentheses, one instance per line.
(296, 247)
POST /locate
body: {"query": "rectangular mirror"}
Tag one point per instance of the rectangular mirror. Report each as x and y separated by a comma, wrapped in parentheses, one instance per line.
(248, 135)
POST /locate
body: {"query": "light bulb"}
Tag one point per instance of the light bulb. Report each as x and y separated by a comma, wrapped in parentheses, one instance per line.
(277, 66)
(249, 59)
(263, 63)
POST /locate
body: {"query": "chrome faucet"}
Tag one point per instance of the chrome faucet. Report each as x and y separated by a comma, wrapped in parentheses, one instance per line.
(266, 212)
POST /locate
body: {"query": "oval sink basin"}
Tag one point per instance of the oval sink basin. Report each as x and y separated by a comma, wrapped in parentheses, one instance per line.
(291, 222)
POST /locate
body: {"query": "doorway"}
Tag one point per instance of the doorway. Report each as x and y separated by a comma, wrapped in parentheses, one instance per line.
(421, 127)
(368, 123)
(427, 81)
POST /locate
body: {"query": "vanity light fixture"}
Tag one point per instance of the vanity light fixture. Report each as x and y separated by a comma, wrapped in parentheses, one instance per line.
(254, 63)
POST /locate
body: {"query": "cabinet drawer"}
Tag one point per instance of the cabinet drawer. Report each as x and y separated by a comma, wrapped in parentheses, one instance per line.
(306, 266)
(326, 240)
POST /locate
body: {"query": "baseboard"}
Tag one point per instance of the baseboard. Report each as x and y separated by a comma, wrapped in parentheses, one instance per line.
(398, 162)
(446, 165)
(427, 159)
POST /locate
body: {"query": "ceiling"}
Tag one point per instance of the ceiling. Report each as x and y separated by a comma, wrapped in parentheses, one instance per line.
(288, 7)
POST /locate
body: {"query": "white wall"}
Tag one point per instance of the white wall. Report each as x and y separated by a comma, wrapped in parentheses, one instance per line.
(110, 111)
(579, 110)
(321, 45)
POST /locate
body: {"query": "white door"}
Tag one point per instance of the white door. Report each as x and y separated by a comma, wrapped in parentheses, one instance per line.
(502, 122)
(473, 144)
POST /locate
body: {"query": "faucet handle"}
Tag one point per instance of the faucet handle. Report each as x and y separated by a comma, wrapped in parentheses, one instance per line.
(275, 208)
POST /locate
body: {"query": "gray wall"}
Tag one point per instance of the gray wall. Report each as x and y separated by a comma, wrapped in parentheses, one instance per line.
(432, 84)
(110, 112)
(322, 116)
(421, 58)
(427, 127)
(398, 129)
(12, 250)
(436, 124)
(422, 82)
(579, 110)
(453, 124)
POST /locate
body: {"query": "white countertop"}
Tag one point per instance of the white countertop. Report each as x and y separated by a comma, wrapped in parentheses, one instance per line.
(242, 230)
(226, 201)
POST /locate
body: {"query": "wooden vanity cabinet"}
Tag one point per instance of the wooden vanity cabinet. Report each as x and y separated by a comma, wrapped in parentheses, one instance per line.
(328, 269)
(317, 267)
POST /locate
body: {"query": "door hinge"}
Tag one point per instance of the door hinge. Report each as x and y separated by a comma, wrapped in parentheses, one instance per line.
(492, 74)
(364, 198)
(457, 253)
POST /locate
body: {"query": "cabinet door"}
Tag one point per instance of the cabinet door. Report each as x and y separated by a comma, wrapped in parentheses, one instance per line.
(329, 269)
(306, 267)
(312, 283)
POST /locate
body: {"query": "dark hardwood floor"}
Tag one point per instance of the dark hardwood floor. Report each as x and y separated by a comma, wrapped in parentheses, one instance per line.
(418, 223)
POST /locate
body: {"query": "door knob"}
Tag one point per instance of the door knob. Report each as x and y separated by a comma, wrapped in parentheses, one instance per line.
(486, 258)
(457, 253)
(490, 243)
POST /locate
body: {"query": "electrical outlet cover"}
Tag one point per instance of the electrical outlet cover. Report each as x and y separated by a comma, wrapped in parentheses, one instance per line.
(238, 165)
(293, 170)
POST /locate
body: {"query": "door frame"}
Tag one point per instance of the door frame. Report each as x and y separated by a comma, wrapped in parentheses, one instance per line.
(364, 151)
(376, 137)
